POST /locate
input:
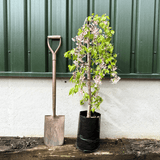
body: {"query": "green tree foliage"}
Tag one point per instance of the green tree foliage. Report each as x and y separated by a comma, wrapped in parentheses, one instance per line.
(96, 32)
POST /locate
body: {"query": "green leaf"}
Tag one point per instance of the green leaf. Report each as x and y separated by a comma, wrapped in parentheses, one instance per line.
(109, 66)
(106, 30)
(112, 63)
(89, 49)
(115, 55)
(102, 25)
(100, 31)
(75, 57)
(76, 89)
(108, 17)
(106, 71)
(69, 56)
(86, 95)
(111, 49)
(93, 110)
(66, 54)
(100, 38)
(71, 79)
(78, 75)
(71, 91)
(71, 68)
(100, 60)
(101, 74)
(112, 31)
(89, 18)
(98, 68)
(103, 17)
(100, 99)
(91, 36)
(81, 102)
(96, 17)
(107, 61)
(72, 51)
(79, 31)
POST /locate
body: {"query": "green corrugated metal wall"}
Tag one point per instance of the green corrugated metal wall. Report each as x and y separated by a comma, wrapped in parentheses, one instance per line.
(25, 24)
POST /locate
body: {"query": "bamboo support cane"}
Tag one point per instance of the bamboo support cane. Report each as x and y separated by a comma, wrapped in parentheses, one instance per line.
(54, 71)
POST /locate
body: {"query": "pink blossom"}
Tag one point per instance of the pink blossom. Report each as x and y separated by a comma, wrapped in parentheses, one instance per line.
(80, 92)
(73, 39)
(115, 80)
(113, 74)
(80, 59)
(74, 75)
(95, 30)
(85, 32)
(95, 22)
(105, 22)
(97, 80)
(79, 38)
(75, 62)
(96, 94)
(81, 65)
(114, 68)
(82, 78)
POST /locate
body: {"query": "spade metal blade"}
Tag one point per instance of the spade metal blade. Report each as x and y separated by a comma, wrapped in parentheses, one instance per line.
(54, 130)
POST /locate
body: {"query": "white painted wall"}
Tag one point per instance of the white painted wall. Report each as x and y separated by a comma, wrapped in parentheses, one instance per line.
(131, 108)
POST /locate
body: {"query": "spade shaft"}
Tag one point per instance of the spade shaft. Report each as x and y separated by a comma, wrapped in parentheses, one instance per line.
(54, 71)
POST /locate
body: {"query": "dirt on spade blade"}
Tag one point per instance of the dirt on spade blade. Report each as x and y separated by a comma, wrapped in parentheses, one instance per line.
(30, 148)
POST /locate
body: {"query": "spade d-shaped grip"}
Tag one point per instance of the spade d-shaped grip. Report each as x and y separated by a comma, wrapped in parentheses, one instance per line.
(52, 38)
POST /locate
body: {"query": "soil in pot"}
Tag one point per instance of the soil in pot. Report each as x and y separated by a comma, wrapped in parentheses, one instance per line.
(88, 138)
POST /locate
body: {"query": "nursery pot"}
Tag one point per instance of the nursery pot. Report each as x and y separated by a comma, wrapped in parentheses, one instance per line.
(88, 138)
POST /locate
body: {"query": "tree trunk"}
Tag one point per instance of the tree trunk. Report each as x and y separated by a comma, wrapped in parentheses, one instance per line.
(89, 82)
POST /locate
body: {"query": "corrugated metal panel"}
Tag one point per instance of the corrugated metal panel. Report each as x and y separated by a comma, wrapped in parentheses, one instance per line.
(122, 41)
(78, 11)
(144, 36)
(3, 37)
(155, 44)
(59, 26)
(25, 24)
(158, 37)
(18, 35)
(101, 7)
(38, 35)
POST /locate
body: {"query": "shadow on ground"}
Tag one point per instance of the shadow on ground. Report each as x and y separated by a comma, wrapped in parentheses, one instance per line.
(26, 148)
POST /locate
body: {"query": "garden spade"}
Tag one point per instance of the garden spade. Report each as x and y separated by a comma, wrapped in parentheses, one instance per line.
(54, 124)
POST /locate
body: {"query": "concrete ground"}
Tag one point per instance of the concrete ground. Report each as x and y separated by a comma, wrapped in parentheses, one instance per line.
(26, 148)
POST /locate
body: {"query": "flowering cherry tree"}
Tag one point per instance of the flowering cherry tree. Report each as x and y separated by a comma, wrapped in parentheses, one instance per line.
(94, 56)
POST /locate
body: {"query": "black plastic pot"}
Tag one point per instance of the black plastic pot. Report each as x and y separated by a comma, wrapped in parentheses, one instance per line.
(88, 138)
